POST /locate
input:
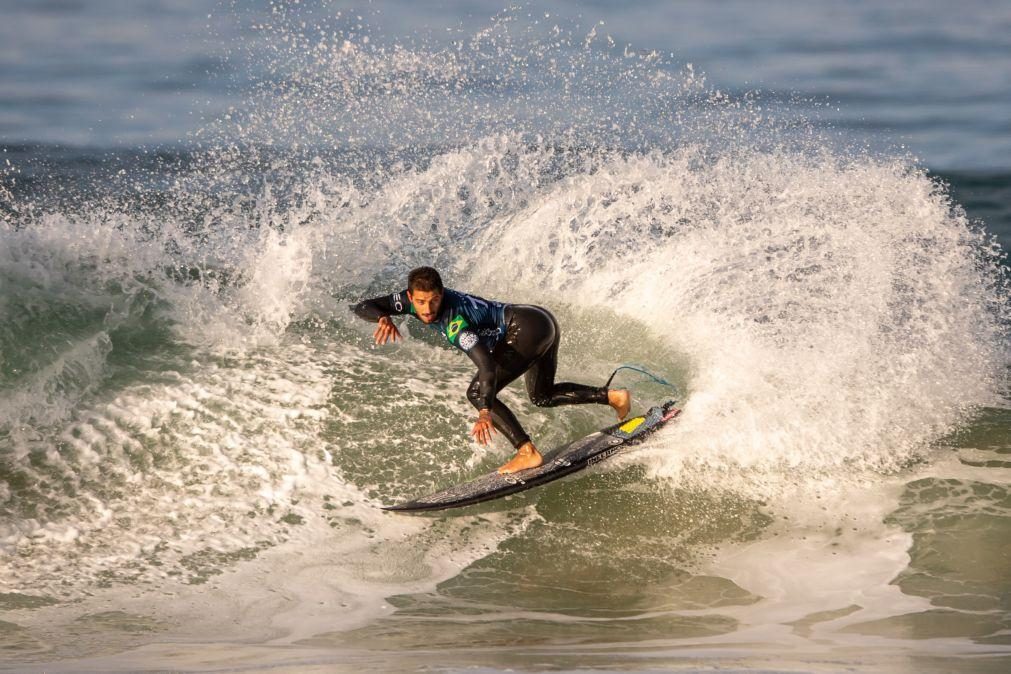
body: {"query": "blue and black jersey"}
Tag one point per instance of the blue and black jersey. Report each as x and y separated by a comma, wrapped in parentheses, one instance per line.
(465, 320)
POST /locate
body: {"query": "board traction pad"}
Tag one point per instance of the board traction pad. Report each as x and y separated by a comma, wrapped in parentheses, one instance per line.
(558, 463)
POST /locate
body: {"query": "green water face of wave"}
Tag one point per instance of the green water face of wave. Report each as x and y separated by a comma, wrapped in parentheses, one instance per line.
(596, 569)
(960, 557)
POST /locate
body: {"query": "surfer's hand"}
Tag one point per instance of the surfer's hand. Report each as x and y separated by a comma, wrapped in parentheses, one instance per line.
(483, 428)
(386, 331)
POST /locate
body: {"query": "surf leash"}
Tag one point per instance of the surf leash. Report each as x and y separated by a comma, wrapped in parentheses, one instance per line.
(658, 380)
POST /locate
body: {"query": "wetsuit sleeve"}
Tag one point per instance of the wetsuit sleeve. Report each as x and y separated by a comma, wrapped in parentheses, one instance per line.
(486, 380)
(387, 305)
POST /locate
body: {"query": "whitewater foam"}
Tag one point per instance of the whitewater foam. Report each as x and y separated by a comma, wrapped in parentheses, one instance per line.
(836, 311)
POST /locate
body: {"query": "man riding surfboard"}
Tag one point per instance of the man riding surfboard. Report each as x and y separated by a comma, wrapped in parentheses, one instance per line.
(504, 341)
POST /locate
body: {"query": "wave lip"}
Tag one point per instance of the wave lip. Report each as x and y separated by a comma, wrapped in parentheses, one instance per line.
(834, 311)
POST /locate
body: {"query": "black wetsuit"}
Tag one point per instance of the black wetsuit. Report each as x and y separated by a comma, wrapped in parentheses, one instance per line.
(504, 341)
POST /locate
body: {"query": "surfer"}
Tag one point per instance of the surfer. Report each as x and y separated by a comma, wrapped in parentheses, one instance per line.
(504, 341)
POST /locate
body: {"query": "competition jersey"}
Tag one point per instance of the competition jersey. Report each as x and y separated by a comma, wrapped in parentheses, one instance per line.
(465, 320)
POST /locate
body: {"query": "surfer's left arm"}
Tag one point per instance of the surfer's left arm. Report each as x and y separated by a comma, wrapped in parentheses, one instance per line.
(482, 393)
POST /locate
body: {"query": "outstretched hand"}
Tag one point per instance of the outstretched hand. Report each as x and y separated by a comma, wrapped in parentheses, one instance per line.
(386, 331)
(483, 427)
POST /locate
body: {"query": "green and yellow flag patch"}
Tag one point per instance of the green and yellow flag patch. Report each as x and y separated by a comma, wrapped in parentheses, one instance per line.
(454, 328)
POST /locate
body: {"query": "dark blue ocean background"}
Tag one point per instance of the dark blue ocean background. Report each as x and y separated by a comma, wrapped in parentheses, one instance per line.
(80, 80)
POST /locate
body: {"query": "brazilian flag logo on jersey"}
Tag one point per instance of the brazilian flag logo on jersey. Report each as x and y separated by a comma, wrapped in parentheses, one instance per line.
(455, 326)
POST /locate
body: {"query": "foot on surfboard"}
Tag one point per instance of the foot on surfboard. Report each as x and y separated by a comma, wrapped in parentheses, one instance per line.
(526, 457)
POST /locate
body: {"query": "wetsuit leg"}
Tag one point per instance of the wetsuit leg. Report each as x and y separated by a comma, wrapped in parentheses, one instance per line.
(540, 377)
(531, 345)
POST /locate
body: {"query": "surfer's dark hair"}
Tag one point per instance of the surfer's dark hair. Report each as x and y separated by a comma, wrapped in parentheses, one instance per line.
(424, 279)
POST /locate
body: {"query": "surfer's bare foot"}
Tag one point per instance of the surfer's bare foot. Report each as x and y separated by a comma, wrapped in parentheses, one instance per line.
(527, 456)
(621, 401)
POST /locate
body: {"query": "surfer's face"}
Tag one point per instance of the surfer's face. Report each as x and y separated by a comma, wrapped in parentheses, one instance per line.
(426, 304)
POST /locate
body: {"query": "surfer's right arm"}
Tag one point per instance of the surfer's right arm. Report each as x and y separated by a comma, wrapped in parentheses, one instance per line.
(379, 309)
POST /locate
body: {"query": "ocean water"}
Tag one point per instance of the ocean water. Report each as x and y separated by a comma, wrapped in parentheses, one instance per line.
(798, 214)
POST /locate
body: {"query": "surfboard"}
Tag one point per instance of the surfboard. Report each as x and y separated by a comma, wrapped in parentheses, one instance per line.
(558, 463)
